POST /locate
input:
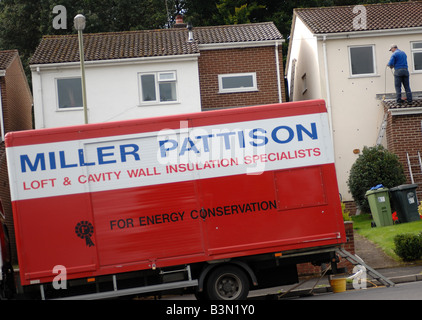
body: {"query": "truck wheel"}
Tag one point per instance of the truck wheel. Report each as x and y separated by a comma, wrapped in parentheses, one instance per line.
(227, 283)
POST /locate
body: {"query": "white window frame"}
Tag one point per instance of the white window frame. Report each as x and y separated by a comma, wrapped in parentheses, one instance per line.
(239, 89)
(419, 50)
(360, 75)
(158, 79)
(57, 95)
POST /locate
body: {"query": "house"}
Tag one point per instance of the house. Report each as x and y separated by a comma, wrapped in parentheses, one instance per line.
(15, 115)
(340, 54)
(147, 73)
(404, 137)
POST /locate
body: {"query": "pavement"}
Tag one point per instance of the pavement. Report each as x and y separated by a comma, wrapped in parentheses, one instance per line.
(374, 257)
(398, 272)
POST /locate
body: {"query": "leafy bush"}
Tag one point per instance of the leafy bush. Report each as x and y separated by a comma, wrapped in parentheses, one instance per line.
(408, 246)
(346, 214)
(376, 165)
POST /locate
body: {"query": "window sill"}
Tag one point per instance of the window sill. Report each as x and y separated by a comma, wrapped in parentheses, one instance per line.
(157, 104)
(238, 91)
(70, 109)
(365, 76)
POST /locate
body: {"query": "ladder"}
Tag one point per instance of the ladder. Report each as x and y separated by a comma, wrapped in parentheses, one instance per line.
(409, 165)
(355, 260)
(382, 130)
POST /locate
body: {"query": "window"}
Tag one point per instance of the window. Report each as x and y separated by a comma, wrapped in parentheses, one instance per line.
(69, 92)
(417, 56)
(304, 84)
(158, 87)
(241, 82)
(362, 60)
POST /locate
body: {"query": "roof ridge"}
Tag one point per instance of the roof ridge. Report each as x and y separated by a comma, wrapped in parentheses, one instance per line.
(53, 36)
(364, 4)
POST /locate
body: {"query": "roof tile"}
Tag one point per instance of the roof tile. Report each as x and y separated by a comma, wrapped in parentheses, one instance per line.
(393, 105)
(147, 43)
(6, 57)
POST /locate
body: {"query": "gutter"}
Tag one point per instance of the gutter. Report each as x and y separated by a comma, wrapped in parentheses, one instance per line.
(237, 45)
(368, 33)
(111, 62)
(405, 111)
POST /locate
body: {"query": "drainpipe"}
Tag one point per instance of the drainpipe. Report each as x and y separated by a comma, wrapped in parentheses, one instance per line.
(42, 99)
(327, 86)
(277, 61)
(1, 116)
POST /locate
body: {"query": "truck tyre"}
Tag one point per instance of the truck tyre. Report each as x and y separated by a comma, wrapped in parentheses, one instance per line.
(227, 283)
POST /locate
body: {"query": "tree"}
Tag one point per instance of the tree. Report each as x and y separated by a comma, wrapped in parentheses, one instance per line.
(201, 12)
(376, 165)
(24, 22)
(236, 11)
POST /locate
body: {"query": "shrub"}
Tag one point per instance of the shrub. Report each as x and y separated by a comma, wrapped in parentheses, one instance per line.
(376, 165)
(346, 214)
(408, 246)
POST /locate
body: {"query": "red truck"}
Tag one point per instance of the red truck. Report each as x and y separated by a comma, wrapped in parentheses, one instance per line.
(220, 202)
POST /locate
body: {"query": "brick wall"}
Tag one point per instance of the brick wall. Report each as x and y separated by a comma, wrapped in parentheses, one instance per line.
(306, 269)
(17, 115)
(17, 101)
(404, 136)
(260, 60)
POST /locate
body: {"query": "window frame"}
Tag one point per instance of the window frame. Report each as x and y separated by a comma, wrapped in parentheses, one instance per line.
(413, 51)
(157, 82)
(239, 89)
(58, 108)
(304, 84)
(360, 75)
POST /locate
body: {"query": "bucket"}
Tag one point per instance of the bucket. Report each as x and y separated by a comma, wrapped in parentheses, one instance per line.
(338, 285)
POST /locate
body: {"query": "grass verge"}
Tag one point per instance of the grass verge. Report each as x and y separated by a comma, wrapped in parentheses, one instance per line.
(384, 236)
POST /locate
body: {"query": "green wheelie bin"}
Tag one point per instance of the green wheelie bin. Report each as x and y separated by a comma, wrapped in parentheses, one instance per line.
(379, 202)
(404, 201)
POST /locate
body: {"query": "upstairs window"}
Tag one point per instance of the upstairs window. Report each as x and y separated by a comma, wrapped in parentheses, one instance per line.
(362, 60)
(69, 92)
(417, 55)
(239, 82)
(158, 87)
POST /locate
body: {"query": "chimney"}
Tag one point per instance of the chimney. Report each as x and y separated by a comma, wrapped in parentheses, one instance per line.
(179, 22)
(190, 28)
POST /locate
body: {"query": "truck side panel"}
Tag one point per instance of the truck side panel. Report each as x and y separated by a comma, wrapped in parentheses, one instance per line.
(49, 236)
(144, 225)
(126, 196)
(246, 217)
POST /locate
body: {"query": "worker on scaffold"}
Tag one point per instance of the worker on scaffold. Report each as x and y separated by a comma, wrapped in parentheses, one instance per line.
(398, 61)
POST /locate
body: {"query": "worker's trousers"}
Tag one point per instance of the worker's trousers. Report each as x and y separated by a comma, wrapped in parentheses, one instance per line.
(401, 77)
